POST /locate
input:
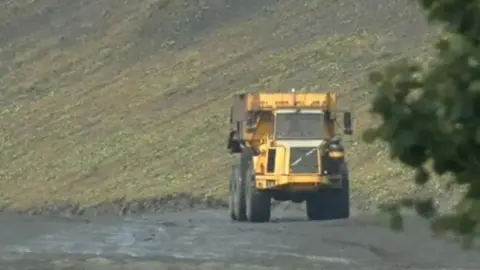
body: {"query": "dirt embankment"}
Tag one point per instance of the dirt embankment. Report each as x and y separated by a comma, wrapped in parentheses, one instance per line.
(170, 203)
(121, 207)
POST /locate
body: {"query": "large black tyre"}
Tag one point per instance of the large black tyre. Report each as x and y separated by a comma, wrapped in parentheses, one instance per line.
(237, 192)
(331, 203)
(316, 206)
(340, 198)
(257, 202)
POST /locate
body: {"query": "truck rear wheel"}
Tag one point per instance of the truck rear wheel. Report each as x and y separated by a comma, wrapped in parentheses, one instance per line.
(237, 192)
(231, 197)
(331, 203)
(258, 203)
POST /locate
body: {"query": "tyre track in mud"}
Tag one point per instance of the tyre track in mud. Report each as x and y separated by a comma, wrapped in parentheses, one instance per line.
(207, 239)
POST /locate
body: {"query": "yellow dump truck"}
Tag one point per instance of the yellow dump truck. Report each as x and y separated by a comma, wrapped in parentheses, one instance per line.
(285, 147)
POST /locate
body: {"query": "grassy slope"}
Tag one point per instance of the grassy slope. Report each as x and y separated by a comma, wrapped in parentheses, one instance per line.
(102, 99)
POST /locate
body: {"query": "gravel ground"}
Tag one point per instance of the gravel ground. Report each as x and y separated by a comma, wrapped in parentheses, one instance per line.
(207, 239)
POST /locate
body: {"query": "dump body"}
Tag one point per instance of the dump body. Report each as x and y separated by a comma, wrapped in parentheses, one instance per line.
(292, 135)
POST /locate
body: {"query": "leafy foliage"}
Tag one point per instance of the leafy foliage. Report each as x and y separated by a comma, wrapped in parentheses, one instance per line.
(431, 115)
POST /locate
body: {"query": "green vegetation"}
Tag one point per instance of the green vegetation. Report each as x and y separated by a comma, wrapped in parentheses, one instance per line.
(431, 117)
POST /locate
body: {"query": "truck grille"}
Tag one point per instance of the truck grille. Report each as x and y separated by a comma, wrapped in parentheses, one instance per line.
(303, 160)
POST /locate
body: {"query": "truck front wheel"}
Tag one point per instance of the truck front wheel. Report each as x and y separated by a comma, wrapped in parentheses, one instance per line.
(331, 203)
(316, 206)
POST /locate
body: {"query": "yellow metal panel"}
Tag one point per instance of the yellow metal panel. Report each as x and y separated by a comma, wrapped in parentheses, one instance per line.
(336, 154)
(258, 163)
(319, 160)
(309, 181)
(280, 159)
(287, 161)
(270, 101)
(264, 127)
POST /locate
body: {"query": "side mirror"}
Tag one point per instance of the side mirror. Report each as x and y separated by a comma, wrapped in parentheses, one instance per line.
(347, 123)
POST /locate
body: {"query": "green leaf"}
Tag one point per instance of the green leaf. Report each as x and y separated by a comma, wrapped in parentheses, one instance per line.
(375, 77)
(370, 135)
(396, 222)
(443, 45)
(425, 208)
(407, 202)
(421, 176)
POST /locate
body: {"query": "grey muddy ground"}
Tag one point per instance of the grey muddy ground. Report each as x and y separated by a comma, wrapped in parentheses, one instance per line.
(207, 239)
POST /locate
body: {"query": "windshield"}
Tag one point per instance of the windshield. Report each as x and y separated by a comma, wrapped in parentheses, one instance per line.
(299, 126)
